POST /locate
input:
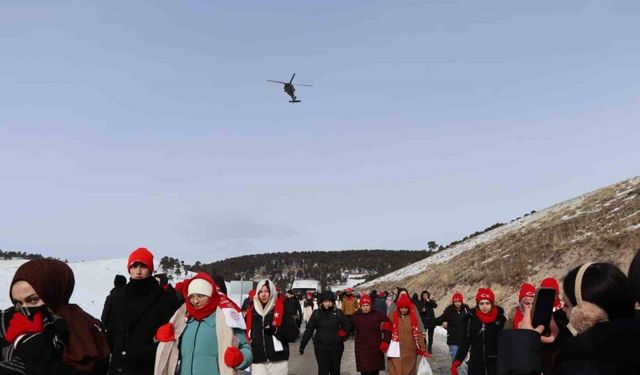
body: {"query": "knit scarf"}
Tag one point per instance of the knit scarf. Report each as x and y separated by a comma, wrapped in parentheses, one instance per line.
(517, 318)
(395, 334)
(489, 317)
(278, 313)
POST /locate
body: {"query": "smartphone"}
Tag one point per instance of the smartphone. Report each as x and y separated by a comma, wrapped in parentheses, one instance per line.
(543, 307)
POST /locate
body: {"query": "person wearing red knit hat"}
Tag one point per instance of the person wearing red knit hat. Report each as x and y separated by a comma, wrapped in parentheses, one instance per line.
(407, 341)
(137, 310)
(486, 321)
(526, 296)
(453, 319)
(372, 335)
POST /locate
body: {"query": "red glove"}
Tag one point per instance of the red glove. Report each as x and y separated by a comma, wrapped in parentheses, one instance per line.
(165, 333)
(342, 333)
(20, 325)
(233, 357)
(454, 367)
(384, 346)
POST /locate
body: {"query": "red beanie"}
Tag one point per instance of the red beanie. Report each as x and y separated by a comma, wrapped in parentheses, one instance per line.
(365, 299)
(485, 293)
(403, 301)
(141, 255)
(457, 297)
(526, 290)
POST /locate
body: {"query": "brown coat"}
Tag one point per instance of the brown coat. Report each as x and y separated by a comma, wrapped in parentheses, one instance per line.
(407, 363)
(349, 305)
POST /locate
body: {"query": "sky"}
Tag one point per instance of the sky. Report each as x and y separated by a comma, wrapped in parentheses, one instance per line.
(150, 123)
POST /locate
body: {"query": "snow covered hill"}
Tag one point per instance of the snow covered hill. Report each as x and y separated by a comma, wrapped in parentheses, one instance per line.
(603, 225)
(94, 280)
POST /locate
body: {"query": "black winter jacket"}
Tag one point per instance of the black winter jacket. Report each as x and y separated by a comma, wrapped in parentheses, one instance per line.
(482, 342)
(380, 304)
(325, 324)
(427, 314)
(607, 348)
(292, 307)
(262, 342)
(137, 310)
(40, 353)
(456, 323)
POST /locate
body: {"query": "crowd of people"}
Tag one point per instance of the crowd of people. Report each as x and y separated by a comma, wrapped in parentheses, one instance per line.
(148, 327)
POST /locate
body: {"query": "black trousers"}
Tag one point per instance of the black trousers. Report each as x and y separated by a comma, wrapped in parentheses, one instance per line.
(430, 336)
(329, 360)
(370, 373)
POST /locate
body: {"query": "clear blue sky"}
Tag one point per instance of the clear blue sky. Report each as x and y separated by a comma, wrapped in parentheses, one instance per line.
(149, 123)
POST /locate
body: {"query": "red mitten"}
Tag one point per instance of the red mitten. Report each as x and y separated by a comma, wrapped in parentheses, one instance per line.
(165, 333)
(454, 367)
(233, 357)
(20, 325)
(342, 333)
(384, 346)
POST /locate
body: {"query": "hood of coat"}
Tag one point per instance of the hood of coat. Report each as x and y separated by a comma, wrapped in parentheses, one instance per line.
(273, 295)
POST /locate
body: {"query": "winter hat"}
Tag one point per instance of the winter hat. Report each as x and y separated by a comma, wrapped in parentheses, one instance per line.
(200, 286)
(365, 299)
(52, 279)
(119, 280)
(526, 290)
(326, 296)
(141, 255)
(403, 301)
(457, 297)
(485, 293)
(381, 294)
(349, 290)
(550, 282)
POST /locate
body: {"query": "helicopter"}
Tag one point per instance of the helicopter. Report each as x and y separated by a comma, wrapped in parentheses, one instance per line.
(289, 89)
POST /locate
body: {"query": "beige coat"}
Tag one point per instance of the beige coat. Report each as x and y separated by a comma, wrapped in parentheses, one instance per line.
(407, 363)
(168, 354)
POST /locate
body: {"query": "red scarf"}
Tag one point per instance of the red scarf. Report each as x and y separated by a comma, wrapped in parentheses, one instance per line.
(395, 335)
(517, 318)
(278, 313)
(489, 317)
(210, 306)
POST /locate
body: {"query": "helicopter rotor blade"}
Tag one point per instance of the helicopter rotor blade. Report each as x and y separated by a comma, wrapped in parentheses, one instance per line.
(269, 80)
(292, 77)
(302, 84)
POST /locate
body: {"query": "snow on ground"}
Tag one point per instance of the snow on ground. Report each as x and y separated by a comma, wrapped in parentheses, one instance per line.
(447, 254)
(94, 281)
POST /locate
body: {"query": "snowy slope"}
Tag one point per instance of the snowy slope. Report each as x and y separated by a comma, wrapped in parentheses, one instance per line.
(572, 205)
(94, 280)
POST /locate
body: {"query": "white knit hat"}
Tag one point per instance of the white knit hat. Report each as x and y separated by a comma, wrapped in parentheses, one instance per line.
(200, 286)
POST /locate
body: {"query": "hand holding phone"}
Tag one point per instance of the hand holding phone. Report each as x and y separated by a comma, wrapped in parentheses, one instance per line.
(543, 308)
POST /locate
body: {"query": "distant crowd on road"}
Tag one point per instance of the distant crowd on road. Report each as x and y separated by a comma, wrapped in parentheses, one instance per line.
(148, 327)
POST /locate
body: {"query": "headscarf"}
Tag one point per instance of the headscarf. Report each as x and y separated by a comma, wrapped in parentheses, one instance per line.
(275, 302)
(53, 281)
